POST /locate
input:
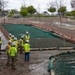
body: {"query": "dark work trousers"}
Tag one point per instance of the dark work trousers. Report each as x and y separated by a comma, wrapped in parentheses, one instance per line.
(8, 59)
(21, 49)
(27, 56)
(13, 60)
(0, 48)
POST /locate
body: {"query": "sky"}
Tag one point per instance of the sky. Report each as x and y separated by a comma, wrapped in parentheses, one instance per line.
(40, 5)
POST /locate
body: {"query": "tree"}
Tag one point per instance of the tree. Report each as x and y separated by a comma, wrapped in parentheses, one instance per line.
(52, 9)
(62, 10)
(68, 14)
(31, 9)
(23, 11)
(57, 4)
(3, 4)
(23, 7)
(9, 15)
(12, 12)
(73, 13)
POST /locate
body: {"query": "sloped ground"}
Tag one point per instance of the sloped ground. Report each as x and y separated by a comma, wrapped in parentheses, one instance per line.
(4, 40)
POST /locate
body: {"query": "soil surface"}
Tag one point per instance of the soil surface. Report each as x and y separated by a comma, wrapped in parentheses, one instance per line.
(37, 65)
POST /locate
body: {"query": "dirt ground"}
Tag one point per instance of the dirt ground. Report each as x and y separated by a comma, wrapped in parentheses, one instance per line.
(36, 57)
(37, 65)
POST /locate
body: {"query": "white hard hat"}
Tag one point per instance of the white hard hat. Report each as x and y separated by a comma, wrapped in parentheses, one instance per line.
(15, 38)
(27, 41)
(22, 36)
(27, 32)
(9, 41)
(10, 34)
(13, 44)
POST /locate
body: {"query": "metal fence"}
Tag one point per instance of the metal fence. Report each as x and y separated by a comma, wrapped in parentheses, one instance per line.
(50, 42)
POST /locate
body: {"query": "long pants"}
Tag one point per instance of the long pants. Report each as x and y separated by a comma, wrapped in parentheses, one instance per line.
(13, 62)
(0, 49)
(27, 56)
(8, 59)
(21, 49)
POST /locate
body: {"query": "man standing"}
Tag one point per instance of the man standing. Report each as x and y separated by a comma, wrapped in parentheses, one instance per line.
(0, 44)
(8, 52)
(27, 51)
(27, 36)
(13, 53)
(21, 42)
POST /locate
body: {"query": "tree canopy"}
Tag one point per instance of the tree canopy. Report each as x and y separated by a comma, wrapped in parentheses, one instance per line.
(52, 9)
(68, 14)
(62, 9)
(11, 13)
(23, 11)
(31, 9)
(73, 13)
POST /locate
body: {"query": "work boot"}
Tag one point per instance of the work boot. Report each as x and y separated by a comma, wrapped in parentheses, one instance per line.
(13, 68)
(7, 64)
(0, 53)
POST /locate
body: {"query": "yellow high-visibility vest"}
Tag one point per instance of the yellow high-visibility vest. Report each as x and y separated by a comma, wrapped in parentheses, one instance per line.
(10, 39)
(26, 47)
(16, 42)
(0, 42)
(27, 37)
(13, 51)
(21, 42)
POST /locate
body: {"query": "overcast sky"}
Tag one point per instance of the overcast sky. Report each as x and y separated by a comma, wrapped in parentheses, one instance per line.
(41, 5)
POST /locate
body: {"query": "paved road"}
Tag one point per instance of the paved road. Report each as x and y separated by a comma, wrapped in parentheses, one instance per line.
(4, 40)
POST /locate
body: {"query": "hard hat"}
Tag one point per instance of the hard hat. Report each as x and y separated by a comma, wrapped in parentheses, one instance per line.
(10, 34)
(0, 35)
(9, 41)
(15, 38)
(27, 41)
(27, 32)
(22, 36)
(13, 44)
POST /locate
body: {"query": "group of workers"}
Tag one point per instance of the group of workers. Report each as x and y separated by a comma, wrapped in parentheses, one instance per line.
(14, 46)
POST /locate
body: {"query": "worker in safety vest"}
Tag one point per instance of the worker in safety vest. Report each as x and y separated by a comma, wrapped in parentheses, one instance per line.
(21, 42)
(8, 52)
(10, 38)
(16, 42)
(0, 44)
(27, 36)
(27, 51)
(13, 53)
